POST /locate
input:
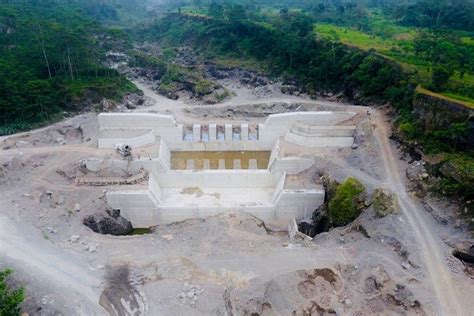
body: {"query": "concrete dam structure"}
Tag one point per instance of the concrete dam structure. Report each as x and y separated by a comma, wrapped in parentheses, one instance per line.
(205, 172)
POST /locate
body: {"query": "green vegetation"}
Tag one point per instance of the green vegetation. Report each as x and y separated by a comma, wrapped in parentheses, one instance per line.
(442, 61)
(458, 175)
(284, 45)
(10, 299)
(51, 60)
(354, 38)
(347, 202)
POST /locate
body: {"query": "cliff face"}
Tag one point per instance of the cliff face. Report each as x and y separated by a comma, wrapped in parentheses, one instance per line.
(436, 114)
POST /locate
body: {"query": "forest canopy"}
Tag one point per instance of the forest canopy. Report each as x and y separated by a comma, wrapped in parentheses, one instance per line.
(50, 57)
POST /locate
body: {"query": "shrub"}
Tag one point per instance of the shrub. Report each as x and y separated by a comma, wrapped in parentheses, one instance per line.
(408, 130)
(347, 202)
(440, 77)
(10, 300)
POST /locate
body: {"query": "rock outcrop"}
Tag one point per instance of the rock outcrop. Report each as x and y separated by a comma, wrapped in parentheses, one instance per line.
(110, 223)
(384, 202)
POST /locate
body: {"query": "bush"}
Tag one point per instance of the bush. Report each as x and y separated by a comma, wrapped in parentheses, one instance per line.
(10, 300)
(347, 202)
(458, 176)
(408, 130)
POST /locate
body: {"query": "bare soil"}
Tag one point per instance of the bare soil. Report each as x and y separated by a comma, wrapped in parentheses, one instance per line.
(400, 264)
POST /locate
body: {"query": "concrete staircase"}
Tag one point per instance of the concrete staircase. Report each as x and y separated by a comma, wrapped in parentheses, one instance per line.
(313, 136)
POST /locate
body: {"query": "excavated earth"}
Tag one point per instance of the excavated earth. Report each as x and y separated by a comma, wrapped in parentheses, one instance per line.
(231, 263)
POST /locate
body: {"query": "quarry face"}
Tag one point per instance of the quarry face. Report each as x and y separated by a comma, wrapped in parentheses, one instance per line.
(219, 195)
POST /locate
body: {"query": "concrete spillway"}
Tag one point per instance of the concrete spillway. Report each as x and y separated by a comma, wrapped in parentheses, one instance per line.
(199, 173)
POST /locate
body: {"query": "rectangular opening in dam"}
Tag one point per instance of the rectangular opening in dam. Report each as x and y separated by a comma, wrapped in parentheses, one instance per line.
(202, 160)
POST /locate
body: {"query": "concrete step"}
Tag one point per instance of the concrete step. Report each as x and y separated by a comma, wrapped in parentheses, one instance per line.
(318, 141)
(307, 130)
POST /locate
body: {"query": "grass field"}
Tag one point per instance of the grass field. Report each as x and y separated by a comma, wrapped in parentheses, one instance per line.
(461, 100)
(354, 38)
(396, 43)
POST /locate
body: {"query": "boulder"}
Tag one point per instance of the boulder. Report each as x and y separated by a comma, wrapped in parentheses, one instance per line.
(108, 105)
(384, 202)
(131, 106)
(110, 223)
(288, 89)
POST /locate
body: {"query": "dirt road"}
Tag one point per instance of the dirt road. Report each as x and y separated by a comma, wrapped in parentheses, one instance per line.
(450, 300)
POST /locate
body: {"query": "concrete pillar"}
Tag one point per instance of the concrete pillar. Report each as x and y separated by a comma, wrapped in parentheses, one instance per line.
(261, 127)
(181, 130)
(253, 164)
(221, 164)
(197, 132)
(212, 132)
(228, 131)
(206, 165)
(190, 164)
(237, 164)
(244, 132)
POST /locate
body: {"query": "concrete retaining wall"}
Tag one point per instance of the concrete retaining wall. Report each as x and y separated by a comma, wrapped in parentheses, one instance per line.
(164, 156)
(291, 165)
(216, 178)
(115, 126)
(299, 204)
(164, 126)
(138, 206)
(120, 137)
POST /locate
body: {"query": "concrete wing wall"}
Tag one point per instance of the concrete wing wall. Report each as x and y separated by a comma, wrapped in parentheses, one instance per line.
(277, 125)
(162, 125)
(138, 206)
(299, 204)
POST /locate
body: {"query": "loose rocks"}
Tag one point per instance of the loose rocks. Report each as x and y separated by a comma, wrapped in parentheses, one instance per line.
(190, 294)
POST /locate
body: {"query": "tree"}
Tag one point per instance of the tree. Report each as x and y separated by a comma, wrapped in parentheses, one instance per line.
(440, 77)
(347, 202)
(215, 10)
(10, 300)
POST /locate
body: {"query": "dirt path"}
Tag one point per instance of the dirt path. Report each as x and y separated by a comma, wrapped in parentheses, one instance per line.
(449, 300)
(70, 273)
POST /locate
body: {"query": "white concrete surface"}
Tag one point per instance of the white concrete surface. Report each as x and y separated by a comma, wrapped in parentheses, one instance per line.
(123, 128)
(197, 132)
(228, 132)
(315, 142)
(253, 164)
(275, 205)
(180, 194)
(212, 132)
(237, 164)
(109, 139)
(244, 132)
